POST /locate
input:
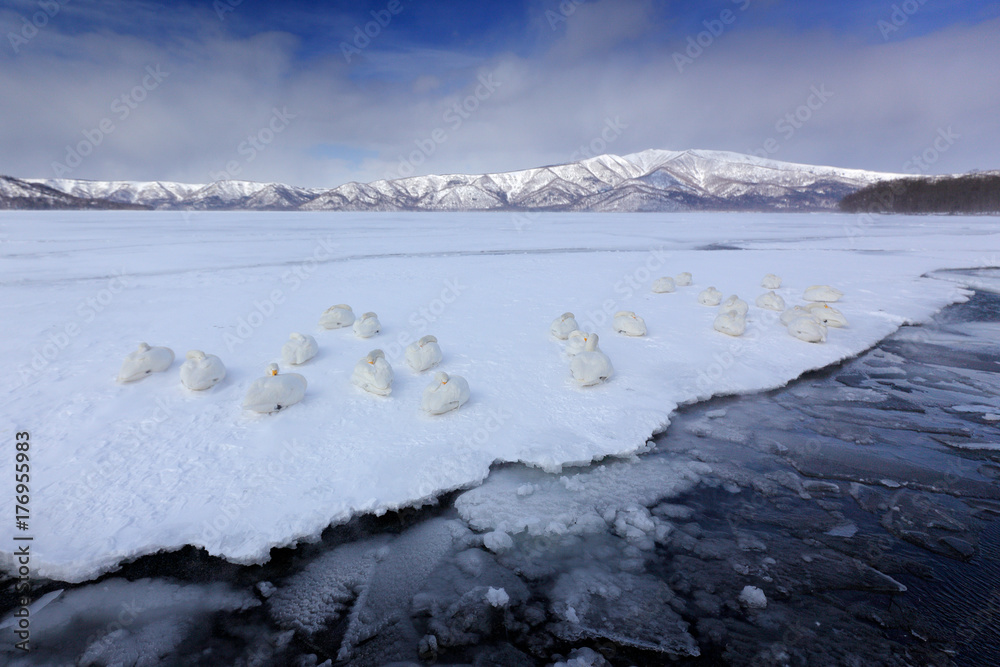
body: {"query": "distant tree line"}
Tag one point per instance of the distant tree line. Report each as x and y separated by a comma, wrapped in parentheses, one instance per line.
(970, 193)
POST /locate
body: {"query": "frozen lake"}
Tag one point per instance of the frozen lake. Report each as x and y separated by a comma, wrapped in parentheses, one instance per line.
(127, 470)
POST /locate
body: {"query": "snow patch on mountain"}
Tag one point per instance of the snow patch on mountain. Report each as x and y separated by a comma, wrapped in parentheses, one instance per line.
(651, 180)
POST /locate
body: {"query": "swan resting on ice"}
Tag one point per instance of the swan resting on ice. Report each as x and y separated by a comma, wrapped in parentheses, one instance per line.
(446, 393)
(563, 326)
(828, 315)
(664, 285)
(730, 322)
(337, 316)
(710, 297)
(367, 326)
(145, 360)
(373, 374)
(576, 343)
(771, 281)
(771, 301)
(808, 329)
(591, 366)
(630, 324)
(201, 371)
(683, 279)
(423, 354)
(795, 313)
(273, 392)
(735, 304)
(299, 349)
(823, 293)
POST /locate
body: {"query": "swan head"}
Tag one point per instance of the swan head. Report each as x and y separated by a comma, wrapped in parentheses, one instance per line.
(143, 347)
(567, 316)
(195, 355)
(297, 336)
(427, 339)
(624, 313)
(374, 356)
(342, 306)
(272, 369)
(369, 316)
(441, 377)
(592, 339)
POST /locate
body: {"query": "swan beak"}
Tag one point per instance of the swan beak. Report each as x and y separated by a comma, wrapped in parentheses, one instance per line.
(274, 372)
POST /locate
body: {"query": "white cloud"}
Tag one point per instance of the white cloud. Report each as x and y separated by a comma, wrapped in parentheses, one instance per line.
(889, 100)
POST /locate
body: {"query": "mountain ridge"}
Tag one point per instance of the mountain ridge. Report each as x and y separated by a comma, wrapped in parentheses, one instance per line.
(651, 180)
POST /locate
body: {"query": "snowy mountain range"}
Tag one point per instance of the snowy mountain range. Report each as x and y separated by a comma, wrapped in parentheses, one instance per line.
(653, 180)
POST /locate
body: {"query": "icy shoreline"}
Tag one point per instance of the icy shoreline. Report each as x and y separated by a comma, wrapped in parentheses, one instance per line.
(131, 470)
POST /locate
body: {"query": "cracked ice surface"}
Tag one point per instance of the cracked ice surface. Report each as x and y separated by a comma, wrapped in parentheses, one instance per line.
(126, 470)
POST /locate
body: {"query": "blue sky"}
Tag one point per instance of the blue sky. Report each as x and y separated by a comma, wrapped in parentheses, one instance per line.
(297, 92)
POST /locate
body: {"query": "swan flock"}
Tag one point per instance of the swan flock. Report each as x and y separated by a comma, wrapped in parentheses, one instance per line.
(588, 364)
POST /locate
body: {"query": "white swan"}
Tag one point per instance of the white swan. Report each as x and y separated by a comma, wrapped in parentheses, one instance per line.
(367, 326)
(563, 325)
(576, 343)
(807, 329)
(299, 349)
(710, 297)
(771, 301)
(771, 281)
(373, 374)
(735, 304)
(683, 279)
(630, 324)
(201, 371)
(822, 293)
(145, 360)
(730, 322)
(828, 315)
(664, 285)
(591, 366)
(424, 354)
(337, 316)
(273, 392)
(795, 313)
(446, 393)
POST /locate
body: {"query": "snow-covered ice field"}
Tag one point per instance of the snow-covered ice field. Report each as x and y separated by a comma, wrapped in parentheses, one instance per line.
(119, 471)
